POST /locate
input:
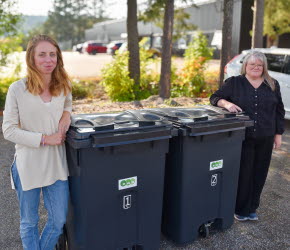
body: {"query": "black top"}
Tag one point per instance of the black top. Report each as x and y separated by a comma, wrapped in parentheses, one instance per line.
(262, 105)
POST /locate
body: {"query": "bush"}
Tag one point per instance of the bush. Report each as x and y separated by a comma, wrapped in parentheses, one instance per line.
(88, 88)
(190, 81)
(119, 86)
(211, 79)
(4, 85)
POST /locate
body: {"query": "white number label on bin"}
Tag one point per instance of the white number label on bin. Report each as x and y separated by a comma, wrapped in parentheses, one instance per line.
(128, 183)
(127, 202)
(213, 180)
(215, 165)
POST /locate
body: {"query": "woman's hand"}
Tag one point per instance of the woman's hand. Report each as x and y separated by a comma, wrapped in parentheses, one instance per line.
(54, 139)
(277, 141)
(229, 106)
(64, 123)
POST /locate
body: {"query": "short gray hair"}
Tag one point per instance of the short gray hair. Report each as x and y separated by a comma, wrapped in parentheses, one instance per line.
(260, 56)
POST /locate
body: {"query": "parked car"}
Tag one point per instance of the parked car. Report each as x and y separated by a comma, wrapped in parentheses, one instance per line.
(93, 47)
(144, 43)
(78, 47)
(113, 46)
(278, 66)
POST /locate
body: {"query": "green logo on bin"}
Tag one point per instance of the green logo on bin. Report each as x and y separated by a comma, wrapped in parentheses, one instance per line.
(216, 165)
(128, 183)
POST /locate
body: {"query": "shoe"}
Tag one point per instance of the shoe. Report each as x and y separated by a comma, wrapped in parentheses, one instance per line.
(241, 218)
(253, 216)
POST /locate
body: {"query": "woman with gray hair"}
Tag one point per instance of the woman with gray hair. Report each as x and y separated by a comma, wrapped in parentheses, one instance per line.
(258, 95)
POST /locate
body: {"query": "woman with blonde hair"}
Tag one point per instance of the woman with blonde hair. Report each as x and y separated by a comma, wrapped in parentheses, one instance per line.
(36, 118)
(258, 95)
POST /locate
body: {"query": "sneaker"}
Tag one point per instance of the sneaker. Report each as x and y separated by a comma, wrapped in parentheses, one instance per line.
(253, 216)
(241, 218)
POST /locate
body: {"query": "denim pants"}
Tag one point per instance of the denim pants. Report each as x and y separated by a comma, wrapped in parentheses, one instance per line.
(55, 199)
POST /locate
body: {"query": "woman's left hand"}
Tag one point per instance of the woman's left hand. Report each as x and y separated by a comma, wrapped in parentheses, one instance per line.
(64, 122)
(277, 141)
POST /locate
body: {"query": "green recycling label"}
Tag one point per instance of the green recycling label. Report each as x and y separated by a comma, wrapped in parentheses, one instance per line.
(128, 183)
(215, 165)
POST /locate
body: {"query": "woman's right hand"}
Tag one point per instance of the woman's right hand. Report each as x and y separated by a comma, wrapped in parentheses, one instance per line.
(54, 139)
(229, 106)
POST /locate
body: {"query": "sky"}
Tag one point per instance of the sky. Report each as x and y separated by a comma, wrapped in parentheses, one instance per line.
(115, 9)
(34, 7)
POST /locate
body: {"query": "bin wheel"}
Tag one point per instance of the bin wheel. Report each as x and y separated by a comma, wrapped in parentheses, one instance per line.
(204, 231)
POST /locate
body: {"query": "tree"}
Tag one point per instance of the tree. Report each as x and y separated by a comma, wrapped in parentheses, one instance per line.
(9, 37)
(70, 18)
(155, 13)
(276, 19)
(60, 22)
(226, 37)
(133, 39)
(173, 19)
(164, 84)
(258, 22)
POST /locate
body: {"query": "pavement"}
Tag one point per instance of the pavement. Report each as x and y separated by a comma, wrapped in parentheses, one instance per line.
(272, 231)
(88, 66)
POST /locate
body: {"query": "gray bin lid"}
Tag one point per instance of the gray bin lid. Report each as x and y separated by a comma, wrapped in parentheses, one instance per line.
(111, 129)
(204, 119)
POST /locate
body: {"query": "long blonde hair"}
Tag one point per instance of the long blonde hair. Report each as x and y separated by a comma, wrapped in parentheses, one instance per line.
(260, 56)
(59, 79)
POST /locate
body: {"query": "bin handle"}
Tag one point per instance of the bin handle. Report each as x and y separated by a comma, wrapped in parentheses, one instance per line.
(139, 118)
(77, 125)
(140, 123)
(92, 125)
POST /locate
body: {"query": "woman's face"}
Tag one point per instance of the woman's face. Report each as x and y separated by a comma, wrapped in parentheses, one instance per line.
(45, 57)
(254, 68)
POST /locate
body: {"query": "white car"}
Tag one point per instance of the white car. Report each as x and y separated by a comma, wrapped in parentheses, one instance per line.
(278, 66)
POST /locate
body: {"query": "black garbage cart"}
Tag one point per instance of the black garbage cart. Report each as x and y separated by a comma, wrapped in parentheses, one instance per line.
(202, 169)
(116, 164)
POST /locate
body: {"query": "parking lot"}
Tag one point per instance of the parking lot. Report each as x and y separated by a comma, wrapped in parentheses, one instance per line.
(86, 66)
(271, 232)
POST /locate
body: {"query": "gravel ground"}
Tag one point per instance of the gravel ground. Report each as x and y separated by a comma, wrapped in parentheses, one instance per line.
(271, 232)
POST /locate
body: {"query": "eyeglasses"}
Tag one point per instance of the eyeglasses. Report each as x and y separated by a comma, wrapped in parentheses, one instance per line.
(253, 65)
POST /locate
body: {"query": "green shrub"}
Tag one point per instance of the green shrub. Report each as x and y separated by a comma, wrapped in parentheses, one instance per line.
(119, 86)
(211, 79)
(87, 88)
(4, 85)
(79, 91)
(190, 81)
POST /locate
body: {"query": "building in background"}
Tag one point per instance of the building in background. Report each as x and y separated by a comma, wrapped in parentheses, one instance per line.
(207, 16)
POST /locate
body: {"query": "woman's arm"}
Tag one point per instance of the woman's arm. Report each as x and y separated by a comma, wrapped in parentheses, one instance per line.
(228, 106)
(10, 126)
(12, 132)
(65, 120)
(280, 111)
(220, 97)
(277, 141)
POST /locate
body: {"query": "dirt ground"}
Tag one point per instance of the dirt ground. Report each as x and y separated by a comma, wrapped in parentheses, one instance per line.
(105, 105)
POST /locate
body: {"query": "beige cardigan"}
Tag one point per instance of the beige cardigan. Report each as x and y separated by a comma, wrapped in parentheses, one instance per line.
(25, 118)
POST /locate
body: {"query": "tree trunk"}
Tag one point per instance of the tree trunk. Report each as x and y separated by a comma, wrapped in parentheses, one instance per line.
(133, 41)
(258, 23)
(164, 84)
(226, 37)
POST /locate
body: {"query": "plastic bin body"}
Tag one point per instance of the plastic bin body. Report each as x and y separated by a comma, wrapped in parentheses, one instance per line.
(194, 194)
(103, 215)
(202, 170)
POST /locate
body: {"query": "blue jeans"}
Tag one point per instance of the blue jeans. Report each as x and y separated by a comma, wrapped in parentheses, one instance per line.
(55, 199)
